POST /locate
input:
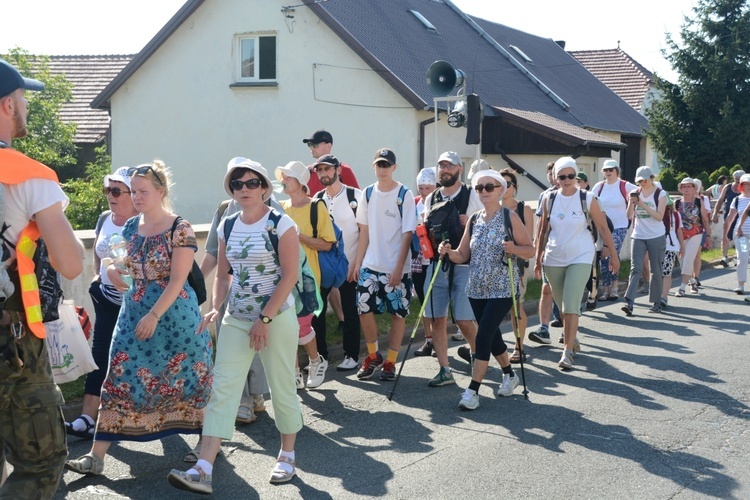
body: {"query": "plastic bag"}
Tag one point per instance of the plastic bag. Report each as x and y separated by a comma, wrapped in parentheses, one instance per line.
(69, 353)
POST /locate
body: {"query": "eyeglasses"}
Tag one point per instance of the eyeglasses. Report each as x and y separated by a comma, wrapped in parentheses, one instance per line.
(489, 187)
(447, 166)
(569, 176)
(383, 164)
(143, 170)
(608, 170)
(115, 191)
(323, 168)
(313, 145)
(237, 184)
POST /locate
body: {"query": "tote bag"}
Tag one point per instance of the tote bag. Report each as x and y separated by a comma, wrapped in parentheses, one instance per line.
(69, 353)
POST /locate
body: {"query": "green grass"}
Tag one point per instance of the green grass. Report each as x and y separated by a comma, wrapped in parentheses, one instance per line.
(73, 391)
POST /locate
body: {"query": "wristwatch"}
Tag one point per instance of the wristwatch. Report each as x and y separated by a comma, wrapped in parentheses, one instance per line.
(264, 319)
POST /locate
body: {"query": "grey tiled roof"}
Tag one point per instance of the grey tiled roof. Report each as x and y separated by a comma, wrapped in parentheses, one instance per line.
(618, 71)
(89, 75)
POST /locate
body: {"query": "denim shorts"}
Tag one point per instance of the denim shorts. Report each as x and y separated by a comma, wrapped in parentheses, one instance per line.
(375, 295)
(442, 295)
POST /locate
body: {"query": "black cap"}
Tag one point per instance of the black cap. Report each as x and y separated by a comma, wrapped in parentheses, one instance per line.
(11, 80)
(319, 136)
(385, 154)
(328, 160)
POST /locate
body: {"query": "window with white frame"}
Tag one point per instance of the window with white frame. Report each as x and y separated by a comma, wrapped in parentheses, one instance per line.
(256, 58)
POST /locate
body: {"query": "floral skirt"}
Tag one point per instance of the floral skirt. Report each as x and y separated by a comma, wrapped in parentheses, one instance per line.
(160, 386)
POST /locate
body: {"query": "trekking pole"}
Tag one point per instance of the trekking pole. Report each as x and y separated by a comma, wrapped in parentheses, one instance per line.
(516, 317)
(416, 325)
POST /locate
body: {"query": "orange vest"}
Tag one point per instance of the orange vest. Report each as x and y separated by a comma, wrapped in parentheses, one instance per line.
(16, 168)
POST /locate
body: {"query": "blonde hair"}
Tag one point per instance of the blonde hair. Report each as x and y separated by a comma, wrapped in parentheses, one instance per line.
(161, 178)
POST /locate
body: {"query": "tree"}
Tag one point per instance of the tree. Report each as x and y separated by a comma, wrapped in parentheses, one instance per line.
(86, 198)
(704, 120)
(49, 140)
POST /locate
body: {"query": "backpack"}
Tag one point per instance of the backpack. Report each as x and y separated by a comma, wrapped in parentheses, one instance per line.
(195, 277)
(401, 194)
(306, 292)
(100, 222)
(50, 289)
(669, 214)
(584, 207)
(334, 266)
(508, 223)
(442, 221)
(350, 195)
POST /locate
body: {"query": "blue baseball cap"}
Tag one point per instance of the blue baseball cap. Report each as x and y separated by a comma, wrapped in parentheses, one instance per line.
(11, 80)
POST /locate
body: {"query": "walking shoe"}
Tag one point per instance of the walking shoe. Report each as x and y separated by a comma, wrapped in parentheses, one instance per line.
(444, 377)
(279, 474)
(515, 358)
(540, 335)
(724, 262)
(86, 464)
(654, 309)
(458, 336)
(740, 290)
(300, 379)
(425, 350)
(349, 363)
(464, 352)
(557, 323)
(613, 296)
(693, 286)
(317, 372)
(680, 292)
(576, 346)
(663, 302)
(388, 372)
(195, 483)
(245, 414)
(259, 404)
(508, 386)
(590, 304)
(566, 361)
(469, 400)
(628, 308)
(369, 366)
(698, 283)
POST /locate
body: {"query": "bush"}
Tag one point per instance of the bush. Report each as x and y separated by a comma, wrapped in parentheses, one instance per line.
(718, 173)
(86, 198)
(734, 169)
(667, 179)
(705, 179)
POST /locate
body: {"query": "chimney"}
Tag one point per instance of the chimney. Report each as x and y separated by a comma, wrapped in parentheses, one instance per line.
(561, 43)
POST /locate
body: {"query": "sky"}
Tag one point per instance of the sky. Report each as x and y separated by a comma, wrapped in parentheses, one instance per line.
(56, 27)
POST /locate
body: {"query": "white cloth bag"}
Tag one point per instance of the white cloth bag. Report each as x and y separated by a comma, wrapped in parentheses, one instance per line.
(69, 352)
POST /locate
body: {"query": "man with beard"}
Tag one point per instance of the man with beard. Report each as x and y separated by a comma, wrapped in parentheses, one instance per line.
(342, 205)
(449, 287)
(32, 430)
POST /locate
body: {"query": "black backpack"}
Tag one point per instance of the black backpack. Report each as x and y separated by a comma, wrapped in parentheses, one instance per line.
(443, 221)
(195, 278)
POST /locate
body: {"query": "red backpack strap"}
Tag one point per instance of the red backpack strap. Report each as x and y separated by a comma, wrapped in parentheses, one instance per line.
(623, 190)
(599, 185)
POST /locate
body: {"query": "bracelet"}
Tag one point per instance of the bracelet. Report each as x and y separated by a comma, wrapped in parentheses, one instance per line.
(157, 316)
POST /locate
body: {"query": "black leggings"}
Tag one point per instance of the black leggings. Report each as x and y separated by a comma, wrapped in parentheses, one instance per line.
(104, 327)
(489, 313)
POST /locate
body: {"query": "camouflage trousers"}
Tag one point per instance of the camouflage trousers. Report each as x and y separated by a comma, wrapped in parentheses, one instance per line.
(32, 428)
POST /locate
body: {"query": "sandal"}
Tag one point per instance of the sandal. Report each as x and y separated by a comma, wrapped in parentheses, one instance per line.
(245, 414)
(259, 404)
(87, 433)
(515, 358)
(279, 475)
(87, 464)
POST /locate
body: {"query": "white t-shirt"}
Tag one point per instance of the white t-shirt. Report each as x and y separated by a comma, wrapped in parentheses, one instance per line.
(255, 273)
(26, 199)
(570, 241)
(343, 216)
(101, 245)
(386, 226)
(613, 203)
(739, 204)
(646, 227)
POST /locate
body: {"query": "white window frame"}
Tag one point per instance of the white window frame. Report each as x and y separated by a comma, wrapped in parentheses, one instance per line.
(254, 36)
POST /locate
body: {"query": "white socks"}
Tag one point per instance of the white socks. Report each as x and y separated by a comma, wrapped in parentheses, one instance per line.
(283, 465)
(205, 465)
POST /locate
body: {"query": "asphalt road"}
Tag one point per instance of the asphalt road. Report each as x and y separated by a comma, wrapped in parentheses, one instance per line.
(657, 407)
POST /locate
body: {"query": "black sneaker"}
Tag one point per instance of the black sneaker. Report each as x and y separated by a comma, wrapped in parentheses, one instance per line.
(425, 350)
(540, 335)
(628, 308)
(590, 305)
(465, 353)
(724, 262)
(557, 323)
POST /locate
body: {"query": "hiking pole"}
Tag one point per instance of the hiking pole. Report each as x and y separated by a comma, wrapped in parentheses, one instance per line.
(416, 325)
(516, 317)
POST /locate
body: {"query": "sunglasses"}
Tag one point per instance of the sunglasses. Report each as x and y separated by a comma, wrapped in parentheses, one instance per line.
(312, 145)
(608, 170)
(383, 164)
(115, 191)
(509, 182)
(324, 168)
(489, 187)
(237, 184)
(143, 170)
(569, 176)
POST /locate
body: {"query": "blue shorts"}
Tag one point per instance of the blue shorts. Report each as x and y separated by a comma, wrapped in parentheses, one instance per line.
(442, 295)
(374, 295)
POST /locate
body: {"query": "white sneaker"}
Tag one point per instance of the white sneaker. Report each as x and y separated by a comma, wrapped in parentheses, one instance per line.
(469, 400)
(740, 290)
(509, 385)
(317, 372)
(348, 364)
(458, 336)
(300, 380)
(566, 361)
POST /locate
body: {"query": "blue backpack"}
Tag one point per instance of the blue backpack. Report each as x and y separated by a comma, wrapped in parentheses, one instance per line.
(334, 266)
(306, 292)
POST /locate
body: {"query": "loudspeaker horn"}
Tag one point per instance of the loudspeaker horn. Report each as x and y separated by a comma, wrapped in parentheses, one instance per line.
(442, 78)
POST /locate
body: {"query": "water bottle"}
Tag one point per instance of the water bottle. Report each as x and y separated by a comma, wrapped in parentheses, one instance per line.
(118, 249)
(424, 242)
(742, 243)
